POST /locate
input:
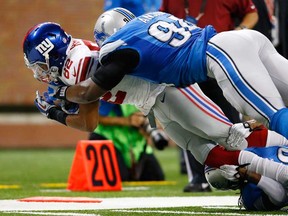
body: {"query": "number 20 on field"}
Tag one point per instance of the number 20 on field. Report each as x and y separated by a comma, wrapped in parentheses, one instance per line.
(95, 167)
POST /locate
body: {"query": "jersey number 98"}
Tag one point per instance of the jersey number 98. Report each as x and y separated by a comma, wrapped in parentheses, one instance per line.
(176, 33)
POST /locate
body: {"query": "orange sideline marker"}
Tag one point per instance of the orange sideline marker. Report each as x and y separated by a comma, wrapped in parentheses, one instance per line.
(94, 167)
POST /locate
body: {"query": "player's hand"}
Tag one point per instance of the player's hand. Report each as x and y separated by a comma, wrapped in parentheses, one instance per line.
(69, 107)
(52, 91)
(229, 172)
(237, 136)
(43, 103)
(234, 173)
(66, 106)
(137, 120)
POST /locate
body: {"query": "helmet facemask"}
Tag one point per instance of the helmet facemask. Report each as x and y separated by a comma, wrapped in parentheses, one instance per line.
(42, 71)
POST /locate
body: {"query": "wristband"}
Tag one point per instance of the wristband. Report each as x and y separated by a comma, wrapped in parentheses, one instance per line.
(61, 93)
(57, 115)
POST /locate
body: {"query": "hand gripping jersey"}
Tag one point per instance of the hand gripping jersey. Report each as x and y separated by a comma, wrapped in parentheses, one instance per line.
(81, 61)
(171, 50)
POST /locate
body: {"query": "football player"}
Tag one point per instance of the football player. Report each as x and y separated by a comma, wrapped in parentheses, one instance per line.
(58, 59)
(164, 49)
(257, 192)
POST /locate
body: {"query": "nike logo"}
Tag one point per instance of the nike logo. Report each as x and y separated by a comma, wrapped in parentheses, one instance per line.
(42, 106)
(74, 73)
(163, 98)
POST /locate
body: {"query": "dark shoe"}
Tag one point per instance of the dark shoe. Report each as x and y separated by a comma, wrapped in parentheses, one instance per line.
(204, 187)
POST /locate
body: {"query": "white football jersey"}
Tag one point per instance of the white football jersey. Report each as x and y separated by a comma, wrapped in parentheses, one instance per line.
(81, 62)
(136, 91)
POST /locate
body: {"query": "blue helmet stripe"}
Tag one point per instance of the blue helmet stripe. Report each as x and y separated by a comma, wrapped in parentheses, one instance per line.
(125, 13)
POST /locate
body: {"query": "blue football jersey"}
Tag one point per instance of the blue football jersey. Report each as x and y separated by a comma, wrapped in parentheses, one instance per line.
(250, 192)
(171, 50)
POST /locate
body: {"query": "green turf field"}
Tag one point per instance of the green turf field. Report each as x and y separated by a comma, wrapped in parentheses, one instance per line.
(44, 172)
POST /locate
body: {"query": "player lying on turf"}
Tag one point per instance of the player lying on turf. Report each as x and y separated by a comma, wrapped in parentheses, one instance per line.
(188, 117)
(257, 192)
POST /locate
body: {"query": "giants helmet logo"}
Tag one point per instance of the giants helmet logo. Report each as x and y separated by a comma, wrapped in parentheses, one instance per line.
(45, 47)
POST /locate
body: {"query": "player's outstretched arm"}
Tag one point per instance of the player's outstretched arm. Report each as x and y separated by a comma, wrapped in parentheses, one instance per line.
(82, 117)
(86, 119)
(84, 92)
(106, 77)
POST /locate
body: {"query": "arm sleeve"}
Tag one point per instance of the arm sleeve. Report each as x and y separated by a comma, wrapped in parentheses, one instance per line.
(114, 67)
(274, 190)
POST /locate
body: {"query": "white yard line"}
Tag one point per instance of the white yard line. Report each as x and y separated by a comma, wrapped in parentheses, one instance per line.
(50, 213)
(121, 203)
(188, 213)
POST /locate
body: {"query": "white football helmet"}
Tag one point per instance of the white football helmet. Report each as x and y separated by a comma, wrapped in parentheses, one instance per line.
(218, 181)
(109, 22)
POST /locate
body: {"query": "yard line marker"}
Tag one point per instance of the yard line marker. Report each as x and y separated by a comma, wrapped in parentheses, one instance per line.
(9, 186)
(53, 185)
(221, 207)
(189, 213)
(51, 213)
(122, 203)
(54, 191)
(94, 167)
(61, 199)
(135, 188)
(149, 183)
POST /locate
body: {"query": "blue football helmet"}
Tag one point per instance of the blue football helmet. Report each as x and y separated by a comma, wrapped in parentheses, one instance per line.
(44, 48)
(109, 22)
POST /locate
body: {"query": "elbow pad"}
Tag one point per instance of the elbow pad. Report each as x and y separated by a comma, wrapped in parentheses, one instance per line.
(114, 67)
(107, 77)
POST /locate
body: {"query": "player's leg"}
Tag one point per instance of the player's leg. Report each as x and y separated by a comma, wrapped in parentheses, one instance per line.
(213, 155)
(218, 156)
(276, 66)
(212, 90)
(194, 112)
(205, 152)
(233, 59)
(186, 140)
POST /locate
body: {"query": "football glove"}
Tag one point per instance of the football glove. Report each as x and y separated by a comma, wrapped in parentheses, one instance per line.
(66, 106)
(231, 172)
(43, 103)
(237, 137)
(69, 107)
(51, 90)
